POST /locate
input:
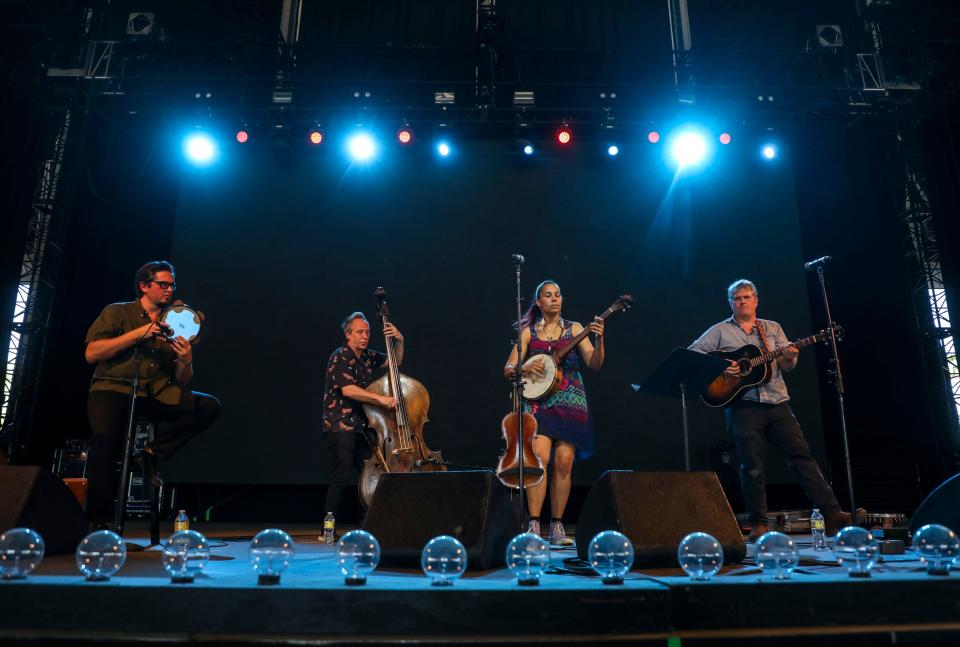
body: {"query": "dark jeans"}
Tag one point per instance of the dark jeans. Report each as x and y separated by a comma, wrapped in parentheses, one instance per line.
(753, 426)
(348, 450)
(107, 412)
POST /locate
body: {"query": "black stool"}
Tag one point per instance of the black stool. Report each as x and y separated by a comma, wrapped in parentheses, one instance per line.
(149, 498)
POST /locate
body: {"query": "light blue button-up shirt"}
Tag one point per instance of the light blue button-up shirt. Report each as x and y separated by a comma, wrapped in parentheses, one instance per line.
(728, 335)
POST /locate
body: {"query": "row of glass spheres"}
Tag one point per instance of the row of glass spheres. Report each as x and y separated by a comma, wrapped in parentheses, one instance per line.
(856, 549)
(444, 558)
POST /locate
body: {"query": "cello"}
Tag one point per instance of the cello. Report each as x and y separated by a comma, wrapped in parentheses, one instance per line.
(398, 444)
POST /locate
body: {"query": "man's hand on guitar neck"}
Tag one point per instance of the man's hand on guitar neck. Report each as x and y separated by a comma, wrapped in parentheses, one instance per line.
(789, 358)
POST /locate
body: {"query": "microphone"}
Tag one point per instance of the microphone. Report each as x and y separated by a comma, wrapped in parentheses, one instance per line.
(817, 262)
(518, 259)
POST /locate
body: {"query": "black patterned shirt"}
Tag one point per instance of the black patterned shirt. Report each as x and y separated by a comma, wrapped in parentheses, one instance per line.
(343, 369)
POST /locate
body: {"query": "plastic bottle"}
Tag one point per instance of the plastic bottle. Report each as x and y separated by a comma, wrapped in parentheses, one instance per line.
(818, 530)
(181, 522)
(329, 529)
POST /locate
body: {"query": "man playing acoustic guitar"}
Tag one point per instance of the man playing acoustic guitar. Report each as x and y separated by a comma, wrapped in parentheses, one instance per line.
(764, 415)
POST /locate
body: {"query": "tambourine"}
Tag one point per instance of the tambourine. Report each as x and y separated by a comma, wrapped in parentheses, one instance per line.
(183, 321)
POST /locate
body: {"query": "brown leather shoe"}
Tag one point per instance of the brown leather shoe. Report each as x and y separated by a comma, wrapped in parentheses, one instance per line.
(840, 520)
(757, 531)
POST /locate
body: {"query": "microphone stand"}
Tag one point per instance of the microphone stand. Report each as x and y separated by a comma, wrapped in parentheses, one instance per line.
(121, 500)
(838, 382)
(128, 441)
(518, 397)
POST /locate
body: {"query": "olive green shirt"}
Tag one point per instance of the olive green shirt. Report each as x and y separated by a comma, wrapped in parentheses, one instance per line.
(156, 357)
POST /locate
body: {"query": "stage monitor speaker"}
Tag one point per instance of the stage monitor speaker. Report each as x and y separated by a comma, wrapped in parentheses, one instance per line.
(31, 498)
(408, 510)
(941, 506)
(655, 510)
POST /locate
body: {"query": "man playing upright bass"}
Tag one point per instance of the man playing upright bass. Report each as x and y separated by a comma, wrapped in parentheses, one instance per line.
(349, 372)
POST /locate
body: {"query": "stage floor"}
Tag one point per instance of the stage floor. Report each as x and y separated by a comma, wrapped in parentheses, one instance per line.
(312, 605)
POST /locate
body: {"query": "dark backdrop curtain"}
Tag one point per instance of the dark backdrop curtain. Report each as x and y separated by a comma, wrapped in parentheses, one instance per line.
(120, 219)
(850, 209)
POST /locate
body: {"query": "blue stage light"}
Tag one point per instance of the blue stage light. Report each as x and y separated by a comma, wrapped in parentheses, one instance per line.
(200, 149)
(362, 147)
(443, 149)
(689, 148)
(769, 151)
(613, 150)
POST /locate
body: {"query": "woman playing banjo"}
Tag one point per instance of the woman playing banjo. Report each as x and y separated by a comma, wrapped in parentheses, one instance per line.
(563, 421)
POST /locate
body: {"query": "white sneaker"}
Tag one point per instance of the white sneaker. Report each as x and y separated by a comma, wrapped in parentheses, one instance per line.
(534, 527)
(558, 536)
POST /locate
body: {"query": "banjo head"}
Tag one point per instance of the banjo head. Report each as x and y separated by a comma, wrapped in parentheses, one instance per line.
(184, 321)
(536, 387)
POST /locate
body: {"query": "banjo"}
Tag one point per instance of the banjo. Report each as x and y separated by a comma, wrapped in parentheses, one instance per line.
(536, 387)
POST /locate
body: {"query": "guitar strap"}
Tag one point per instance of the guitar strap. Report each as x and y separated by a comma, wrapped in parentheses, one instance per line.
(763, 337)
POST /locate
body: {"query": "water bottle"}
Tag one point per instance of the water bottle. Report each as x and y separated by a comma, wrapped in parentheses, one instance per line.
(818, 529)
(181, 521)
(329, 529)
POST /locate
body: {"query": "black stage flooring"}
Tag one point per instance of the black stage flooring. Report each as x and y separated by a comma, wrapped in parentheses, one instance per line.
(899, 604)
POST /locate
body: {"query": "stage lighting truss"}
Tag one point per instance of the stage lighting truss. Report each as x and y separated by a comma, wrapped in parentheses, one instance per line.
(524, 98)
(829, 36)
(141, 23)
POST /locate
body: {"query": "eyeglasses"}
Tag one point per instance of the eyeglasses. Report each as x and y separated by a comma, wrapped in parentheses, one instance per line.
(163, 285)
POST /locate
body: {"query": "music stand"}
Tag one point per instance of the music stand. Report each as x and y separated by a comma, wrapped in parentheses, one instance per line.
(683, 370)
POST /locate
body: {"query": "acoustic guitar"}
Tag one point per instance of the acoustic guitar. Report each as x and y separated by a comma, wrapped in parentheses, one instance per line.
(726, 390)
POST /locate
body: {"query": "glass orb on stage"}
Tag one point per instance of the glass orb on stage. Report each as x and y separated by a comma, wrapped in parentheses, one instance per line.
(185, 554)
(777, 554)
(270, 553)
(856, 549)
(358, 554)
(611, 556)
(528, 556)
(443, 560)
(21, 551)
(938, 547)
(100, 555)
(700, 555)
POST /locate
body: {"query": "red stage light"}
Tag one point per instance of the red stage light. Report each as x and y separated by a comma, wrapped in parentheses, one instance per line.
(724, 138)
(404, 136)
(242, 136)
(653, 136)
(315, 137)
(564, 135)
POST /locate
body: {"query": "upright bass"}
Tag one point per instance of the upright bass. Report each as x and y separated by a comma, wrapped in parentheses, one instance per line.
(398, 444)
